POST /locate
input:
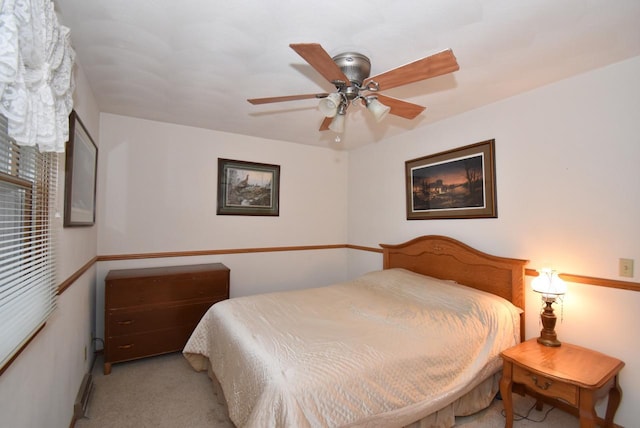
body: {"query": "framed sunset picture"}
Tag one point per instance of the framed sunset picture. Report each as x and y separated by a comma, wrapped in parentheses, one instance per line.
(458, 183)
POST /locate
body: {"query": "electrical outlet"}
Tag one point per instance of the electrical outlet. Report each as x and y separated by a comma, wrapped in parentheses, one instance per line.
(626, 268)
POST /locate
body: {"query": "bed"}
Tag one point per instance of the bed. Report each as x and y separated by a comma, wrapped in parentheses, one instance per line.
(414, 344)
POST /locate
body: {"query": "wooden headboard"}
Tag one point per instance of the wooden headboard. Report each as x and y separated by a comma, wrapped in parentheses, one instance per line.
(446, 258)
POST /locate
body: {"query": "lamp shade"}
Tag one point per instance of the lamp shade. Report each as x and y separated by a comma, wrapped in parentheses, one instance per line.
(379, 110)
(549, 283)
(337, 124)
(329, 105)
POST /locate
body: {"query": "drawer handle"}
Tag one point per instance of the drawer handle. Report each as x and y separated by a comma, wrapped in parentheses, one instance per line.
(125, 346)
(127, 322)
(544, 387)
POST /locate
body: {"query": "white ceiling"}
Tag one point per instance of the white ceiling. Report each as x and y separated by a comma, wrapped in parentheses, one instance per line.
(195, 62)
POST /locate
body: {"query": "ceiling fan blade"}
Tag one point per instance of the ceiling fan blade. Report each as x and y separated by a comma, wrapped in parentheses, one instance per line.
(325, 124)
(285, 98)
(320, 60)
(401, 108)
(435, 65)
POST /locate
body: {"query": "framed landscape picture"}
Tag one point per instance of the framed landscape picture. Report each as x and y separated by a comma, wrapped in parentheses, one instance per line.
(81, 162)
(458, 183)
(248, 188)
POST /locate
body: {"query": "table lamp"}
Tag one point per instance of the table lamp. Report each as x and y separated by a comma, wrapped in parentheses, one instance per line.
(549, 284)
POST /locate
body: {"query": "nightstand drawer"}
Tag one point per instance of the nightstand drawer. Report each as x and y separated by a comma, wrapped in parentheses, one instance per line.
(546, 386)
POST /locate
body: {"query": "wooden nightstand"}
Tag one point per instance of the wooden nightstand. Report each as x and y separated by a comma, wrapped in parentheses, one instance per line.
(569, 377)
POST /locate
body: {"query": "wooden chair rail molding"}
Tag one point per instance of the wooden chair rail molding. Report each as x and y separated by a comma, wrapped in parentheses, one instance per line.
(603, 282)
(67, 282)
(590, 280)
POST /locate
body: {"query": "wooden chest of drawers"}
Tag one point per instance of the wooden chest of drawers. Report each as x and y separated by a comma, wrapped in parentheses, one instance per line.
(153, 311)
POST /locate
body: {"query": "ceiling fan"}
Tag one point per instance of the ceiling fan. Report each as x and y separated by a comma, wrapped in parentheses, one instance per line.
(349, 73)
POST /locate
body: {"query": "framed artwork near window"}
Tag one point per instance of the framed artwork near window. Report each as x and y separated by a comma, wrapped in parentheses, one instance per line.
(248, 188)
(458, 183)
(81, 163)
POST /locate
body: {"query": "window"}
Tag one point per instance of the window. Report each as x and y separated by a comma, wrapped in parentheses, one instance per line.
(28, 182)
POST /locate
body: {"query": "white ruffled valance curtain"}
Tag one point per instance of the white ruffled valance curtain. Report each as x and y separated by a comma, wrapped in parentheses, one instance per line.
(36, 74)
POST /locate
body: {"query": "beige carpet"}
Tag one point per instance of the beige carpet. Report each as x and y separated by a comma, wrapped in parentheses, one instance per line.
(164, 392)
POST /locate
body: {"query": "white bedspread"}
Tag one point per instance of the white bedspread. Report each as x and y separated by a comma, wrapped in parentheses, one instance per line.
(385, 349)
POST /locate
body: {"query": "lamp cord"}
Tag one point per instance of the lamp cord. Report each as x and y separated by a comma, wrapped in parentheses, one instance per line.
(518, 417)
(561, 298)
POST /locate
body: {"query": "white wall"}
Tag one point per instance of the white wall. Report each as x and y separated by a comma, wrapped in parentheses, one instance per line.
(39, 387)
(159, 181)
(158, 193)
(567, 162)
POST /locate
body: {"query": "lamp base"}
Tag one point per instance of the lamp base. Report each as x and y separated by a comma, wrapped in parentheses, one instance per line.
(549, 342)
(548, 335)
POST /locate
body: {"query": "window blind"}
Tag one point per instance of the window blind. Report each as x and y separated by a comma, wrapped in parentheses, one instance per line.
(28, 181)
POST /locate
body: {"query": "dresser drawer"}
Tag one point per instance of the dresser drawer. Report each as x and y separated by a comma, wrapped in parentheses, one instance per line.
(148, 291)
(123, 348)
(546, 386)
(124, 322)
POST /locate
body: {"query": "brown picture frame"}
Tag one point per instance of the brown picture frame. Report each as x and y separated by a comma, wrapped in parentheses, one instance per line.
(248, 188)
(80, 173)
(454, 184)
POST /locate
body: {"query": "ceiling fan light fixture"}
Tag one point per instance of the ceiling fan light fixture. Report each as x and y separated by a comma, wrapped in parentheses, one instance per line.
(379, 110)
(329, 105)
(337, 124)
